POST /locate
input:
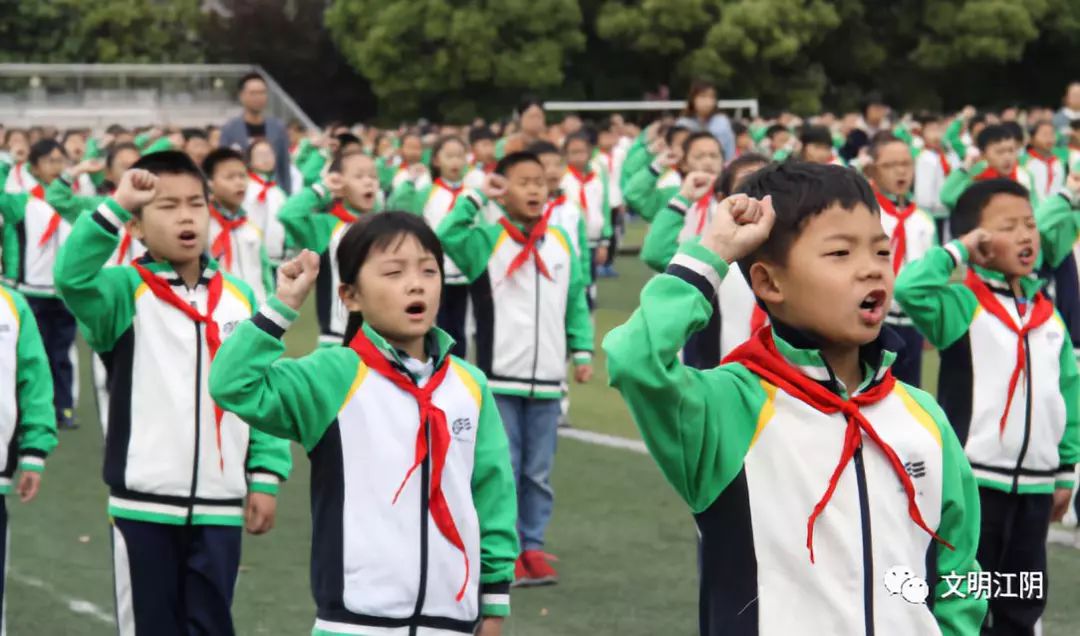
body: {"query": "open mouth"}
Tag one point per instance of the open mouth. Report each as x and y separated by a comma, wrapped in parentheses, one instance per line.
(872, 307)
(1027, 255)
(416, 309)
(187, 236)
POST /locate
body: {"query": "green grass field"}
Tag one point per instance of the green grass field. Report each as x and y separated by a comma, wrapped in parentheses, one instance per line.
(626, 544)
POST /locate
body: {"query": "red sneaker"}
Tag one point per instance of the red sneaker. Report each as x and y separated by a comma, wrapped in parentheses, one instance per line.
(521, 575)
(537, 569)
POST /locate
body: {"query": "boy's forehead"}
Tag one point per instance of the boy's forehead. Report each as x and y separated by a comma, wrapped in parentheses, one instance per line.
(1005, 205)
(836, 220)
(180, 186)
(524, 169)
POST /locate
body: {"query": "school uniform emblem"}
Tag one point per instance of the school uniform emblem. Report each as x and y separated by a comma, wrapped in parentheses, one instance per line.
(461, 424)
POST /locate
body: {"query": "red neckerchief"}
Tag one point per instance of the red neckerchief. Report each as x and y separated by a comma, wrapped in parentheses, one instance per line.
(609, 160)
(221, 247)
(701, 206)
(18, 174)
(341, 212)
(454, 192)
(945, 166)
(489, 167)
(265, 185)
(38, 192)
(990, 173)
(125, 248)
(1049, 160)
(583, 180)
(163, 290)
(528, 243)
(899, 233)
(1041, 311)
(759, 355)
(757, 318)
(433, 419)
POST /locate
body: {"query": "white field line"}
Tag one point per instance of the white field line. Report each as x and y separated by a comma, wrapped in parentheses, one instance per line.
(600, 439)
(76, 605)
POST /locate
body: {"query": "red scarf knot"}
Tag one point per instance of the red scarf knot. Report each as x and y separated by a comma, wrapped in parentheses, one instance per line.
(1041, 311)
(1049, 159)
(454, 192)
(528, 243)
(38, 192)
(701, 208)
(759, 355)
(433, 422)
(163, 291)
(339, 210)
(583, 180)
(222, 246)
(898, 241)
(265, 185)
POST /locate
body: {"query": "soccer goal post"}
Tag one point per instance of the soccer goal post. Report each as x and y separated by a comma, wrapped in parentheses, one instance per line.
(737, 106)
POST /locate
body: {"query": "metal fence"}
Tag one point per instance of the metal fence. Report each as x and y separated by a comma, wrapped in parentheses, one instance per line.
(96, 95)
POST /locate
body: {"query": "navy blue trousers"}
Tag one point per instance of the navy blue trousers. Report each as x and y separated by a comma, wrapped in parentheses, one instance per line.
(174, 580)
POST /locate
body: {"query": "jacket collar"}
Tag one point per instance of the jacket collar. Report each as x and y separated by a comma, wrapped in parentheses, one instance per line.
(1029, 285)
(802, 349)
(165, 270)
(437, 344)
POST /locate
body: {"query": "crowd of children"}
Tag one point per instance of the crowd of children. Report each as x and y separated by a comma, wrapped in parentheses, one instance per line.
(803, 268)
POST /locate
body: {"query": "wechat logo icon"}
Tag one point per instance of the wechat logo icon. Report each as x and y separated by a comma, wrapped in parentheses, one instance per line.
(901, 581)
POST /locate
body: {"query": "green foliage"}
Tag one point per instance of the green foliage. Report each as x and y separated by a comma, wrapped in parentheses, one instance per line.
(454, 56)
(101, 31)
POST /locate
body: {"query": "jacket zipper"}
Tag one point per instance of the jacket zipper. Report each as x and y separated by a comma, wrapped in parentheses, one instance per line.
(536, 331)
(867, 542)
(1027, 416)
(198, 411)
(421, 590)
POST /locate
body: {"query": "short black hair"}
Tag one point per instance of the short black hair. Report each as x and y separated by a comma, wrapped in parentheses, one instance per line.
(726, 183)
(480, 133)
(992, 134)
(928, 117)
(527, 102)
(116, 129)
(801, 191)
(247, 77)
(173, 162)
(880, 140)
(703, 134)
(71, 132)
(116, 149)
(513, 159)
(775, 129)
(739, 128)
(340, 157)
(581, 135)
(251, 146)
(43, 148)
(976, 119)
(819, 135)
(1016, 131)
(1039, 124)
(194, 133)
(967, 214)
(873, 98)
(380, 231)
(669, 134)
(1074, 124)
(217, 157)
(542, 147)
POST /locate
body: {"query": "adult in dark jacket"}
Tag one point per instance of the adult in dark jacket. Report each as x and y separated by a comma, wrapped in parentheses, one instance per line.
(253, 123)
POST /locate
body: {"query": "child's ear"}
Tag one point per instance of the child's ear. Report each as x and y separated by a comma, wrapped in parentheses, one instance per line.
(350, 297)
(764, 283)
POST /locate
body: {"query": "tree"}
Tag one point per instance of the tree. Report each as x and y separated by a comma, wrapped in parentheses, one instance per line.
(102, 31)
(455, 58)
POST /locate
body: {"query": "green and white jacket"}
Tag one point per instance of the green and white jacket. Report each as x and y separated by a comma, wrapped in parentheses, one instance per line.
(751, 461)
(650, 190)
(525, 324)
(1040, 445)
(433, 201)
(28, 262)
(163, 463)
(378, 564)
(27, 418)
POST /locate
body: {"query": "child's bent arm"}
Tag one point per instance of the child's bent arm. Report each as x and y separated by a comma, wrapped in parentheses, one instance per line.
(13, 207)
(942, 311)
(305, 226)
(101, 298)
(955, 184)
(697, 424)
(579, 327)
(467, 244)
(639, 191)
(662, 239)
(403, 198)
(290, 399)
(494, 496)
(1059, 225)
(68, 204)
(37, 419)
(1069, 447)
(269, 462)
